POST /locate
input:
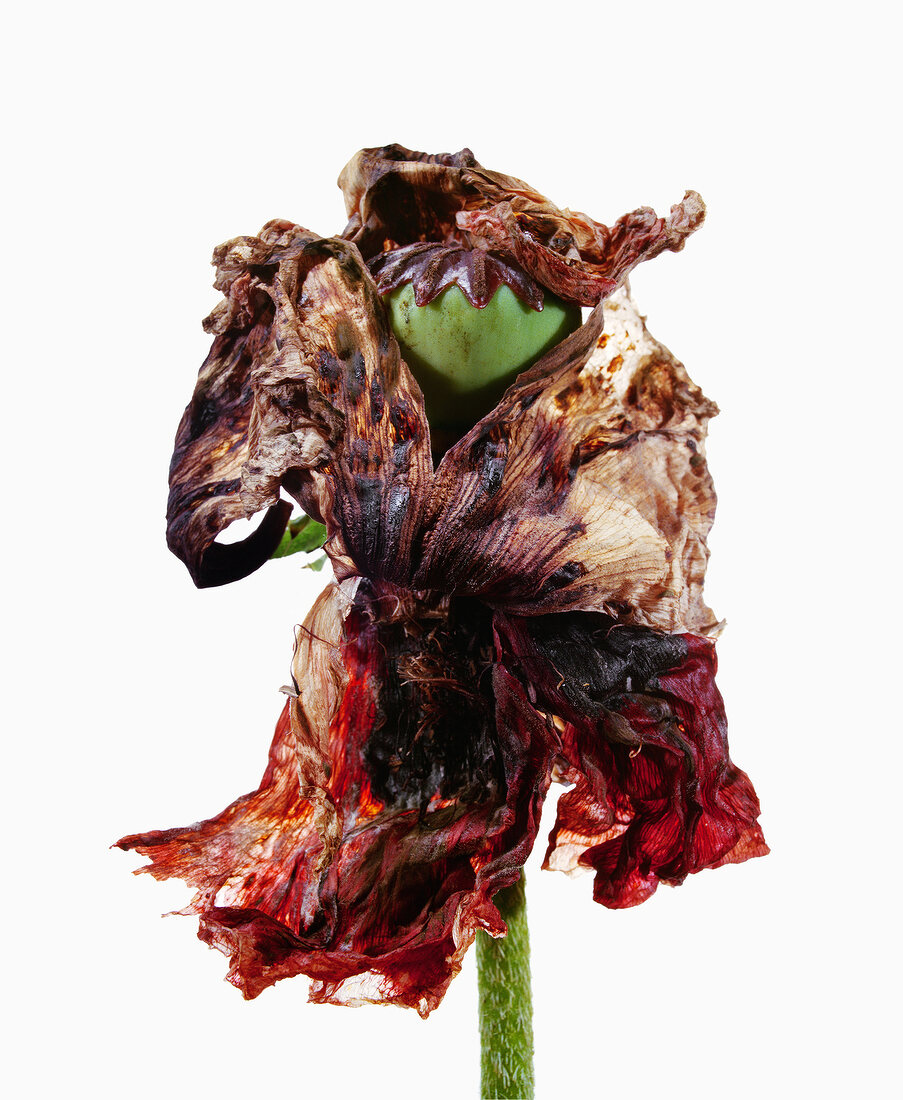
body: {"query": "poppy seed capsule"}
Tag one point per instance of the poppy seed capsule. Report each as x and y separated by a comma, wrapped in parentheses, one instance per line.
(468, 322)
(465, 357)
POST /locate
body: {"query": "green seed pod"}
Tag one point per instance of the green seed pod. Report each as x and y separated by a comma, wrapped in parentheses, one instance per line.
(465, 357)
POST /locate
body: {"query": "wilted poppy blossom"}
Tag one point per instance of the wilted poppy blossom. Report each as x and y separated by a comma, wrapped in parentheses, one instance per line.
(526, 608)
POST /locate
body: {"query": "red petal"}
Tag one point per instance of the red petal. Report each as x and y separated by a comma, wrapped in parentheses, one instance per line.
(374, 878)
(645, 736)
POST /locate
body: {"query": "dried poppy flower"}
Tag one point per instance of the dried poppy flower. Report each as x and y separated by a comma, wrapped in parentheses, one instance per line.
(530, 609)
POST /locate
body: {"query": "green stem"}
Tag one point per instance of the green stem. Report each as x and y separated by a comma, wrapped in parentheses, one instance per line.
(506, 1003)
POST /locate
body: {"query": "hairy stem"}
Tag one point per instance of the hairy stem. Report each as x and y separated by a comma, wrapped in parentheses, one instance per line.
(506, 1003)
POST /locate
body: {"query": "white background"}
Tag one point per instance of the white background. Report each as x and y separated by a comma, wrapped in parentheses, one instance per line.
(143, 135)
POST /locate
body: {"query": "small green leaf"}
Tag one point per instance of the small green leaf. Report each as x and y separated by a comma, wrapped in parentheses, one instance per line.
(302, 535)
(316, 563)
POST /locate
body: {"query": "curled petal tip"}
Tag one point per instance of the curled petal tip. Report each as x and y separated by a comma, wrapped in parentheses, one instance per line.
(686, 217)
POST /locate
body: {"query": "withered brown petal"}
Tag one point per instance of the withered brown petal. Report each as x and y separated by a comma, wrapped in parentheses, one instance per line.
(212, 440)
(396, 197)
(304, 389)
(337, 367)
(368, 856)
(586, 488)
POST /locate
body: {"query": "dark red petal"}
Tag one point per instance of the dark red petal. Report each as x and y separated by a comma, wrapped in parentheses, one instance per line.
(422, 774)
(645, 737)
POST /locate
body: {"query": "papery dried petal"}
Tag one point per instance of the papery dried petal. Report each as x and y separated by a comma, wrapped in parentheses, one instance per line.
(304, 390)
(586, 488)
(368, 856)
(397, 197)
(212, 441)
(337, 351)
(254, 865)
(578, 258)
(643, 729)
